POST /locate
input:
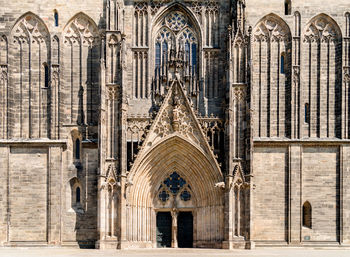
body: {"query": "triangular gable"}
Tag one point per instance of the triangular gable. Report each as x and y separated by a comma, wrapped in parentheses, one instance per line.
(238, 175)
(176, 117)
(111, 176)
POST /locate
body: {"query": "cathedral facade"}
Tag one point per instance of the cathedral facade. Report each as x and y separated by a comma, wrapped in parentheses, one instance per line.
(163, 123)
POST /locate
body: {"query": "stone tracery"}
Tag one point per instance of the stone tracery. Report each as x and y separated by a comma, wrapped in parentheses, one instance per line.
(30, 28)
(81, 29)
(271, 28)
(174, 185)
(321, 29)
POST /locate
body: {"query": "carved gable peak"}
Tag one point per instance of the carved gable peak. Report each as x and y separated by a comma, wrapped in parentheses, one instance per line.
(238, 175)
(111, 175)
(175, 118)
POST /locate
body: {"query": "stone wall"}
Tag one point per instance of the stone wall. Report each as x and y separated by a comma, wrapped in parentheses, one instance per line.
(269, 194)
(284, 179)
(37, 190)
(28, 194)
(320, 186)
(77, 99)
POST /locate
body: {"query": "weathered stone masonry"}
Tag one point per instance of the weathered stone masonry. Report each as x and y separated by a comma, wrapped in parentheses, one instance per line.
(234, 114)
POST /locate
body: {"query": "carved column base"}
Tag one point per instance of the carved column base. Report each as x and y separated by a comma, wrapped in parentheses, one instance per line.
(238, 243)
(109, 243)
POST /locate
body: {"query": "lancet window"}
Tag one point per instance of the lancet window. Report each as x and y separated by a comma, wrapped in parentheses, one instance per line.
(177, 36)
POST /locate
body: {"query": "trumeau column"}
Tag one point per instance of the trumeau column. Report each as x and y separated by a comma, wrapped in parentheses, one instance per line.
(174, 215)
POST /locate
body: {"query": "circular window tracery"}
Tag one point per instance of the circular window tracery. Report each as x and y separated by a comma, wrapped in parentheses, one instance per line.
(174, 184)
(176, 21)
(185, 196)
(176, 33)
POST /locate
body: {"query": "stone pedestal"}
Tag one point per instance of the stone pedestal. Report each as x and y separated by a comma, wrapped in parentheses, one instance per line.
(235, 243)
(110, 243)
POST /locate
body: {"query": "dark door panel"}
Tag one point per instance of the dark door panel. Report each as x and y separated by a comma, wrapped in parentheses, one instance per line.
(185, 230)
(164, 223)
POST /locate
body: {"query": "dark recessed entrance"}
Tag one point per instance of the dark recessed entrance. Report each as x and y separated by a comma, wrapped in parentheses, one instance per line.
(185, 230)
(164, 223)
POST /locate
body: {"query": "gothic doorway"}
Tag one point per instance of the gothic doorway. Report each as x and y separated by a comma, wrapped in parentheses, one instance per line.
(185, 230)
(164, 226)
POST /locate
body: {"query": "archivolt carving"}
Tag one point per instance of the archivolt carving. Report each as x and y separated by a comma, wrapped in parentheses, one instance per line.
(271, 28)
(81, 29)
(30, 28)
(322, 28)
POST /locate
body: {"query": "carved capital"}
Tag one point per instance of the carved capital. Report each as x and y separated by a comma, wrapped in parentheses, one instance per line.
(347, 78)
(112, 91)
(239, 93)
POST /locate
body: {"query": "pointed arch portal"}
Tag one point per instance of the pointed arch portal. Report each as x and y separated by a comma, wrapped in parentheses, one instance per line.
(175, 153)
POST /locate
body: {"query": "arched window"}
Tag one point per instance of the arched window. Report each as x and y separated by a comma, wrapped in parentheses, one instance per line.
(288, 7)
(176, 34)
(77, 195)
(194, 57)
(46, 71)
(77, 149)
(164, 39)
(56, 18)
(188, 38)
(307, 215)
(282, 63)
(158, 55)
(165, 52)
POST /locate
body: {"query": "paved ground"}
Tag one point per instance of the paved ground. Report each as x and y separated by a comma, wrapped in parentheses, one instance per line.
(275, 252)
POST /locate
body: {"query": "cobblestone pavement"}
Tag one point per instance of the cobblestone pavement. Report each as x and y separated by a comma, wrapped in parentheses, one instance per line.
(275, 252)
